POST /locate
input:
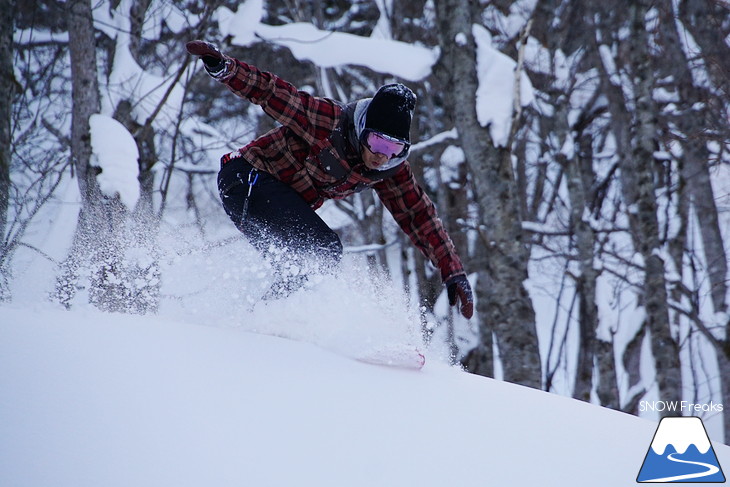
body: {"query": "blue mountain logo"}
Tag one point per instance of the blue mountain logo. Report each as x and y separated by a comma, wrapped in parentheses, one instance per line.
(681, 452)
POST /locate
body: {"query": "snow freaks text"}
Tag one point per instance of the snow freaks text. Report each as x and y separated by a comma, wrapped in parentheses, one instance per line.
(681, 407)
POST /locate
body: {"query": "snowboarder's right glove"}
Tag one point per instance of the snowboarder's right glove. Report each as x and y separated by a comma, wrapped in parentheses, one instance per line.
(209, 54)
(458, 287)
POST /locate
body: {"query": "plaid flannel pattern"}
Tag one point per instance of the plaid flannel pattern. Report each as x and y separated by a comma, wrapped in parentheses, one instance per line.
(290, 153)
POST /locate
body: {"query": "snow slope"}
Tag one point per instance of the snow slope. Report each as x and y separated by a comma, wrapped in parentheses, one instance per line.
(92, 399)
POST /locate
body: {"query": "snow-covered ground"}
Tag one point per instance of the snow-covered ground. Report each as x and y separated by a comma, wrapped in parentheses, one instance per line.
(93, 399)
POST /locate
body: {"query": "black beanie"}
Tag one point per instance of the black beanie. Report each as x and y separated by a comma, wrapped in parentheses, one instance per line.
(390, 111)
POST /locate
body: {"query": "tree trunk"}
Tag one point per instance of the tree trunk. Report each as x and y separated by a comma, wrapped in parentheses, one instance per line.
(693, 124)
(635, 145)
(638, 182)
(723, 365)
(96, 248)
(85, 94)
(603, 349)
(7, 91)
(585, 282)
(695, 172)
(697, 178)
(85, 99)
(508, 308)
(595, 357)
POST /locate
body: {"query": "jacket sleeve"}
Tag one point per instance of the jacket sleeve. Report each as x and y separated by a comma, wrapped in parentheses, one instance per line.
(416, 214)
(311, 118)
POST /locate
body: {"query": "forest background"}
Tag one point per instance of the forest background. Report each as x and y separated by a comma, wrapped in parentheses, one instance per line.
(577, 151)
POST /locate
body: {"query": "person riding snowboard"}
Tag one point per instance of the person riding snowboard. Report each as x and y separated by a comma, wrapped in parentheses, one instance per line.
(323, 149)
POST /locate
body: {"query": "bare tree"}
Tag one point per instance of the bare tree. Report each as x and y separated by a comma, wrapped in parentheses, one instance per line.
(96, 245)
(696, 126)
(567, 138)
(636, 139)
(7, 92)
(38, 152)
(504, 306)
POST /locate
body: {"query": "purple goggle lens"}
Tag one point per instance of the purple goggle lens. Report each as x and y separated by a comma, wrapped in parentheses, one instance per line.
(382, 144)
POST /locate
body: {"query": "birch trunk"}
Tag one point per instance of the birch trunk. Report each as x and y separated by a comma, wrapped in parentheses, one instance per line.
(595, 356)
(695, 171)
(95, 248)
(85, 99)
(7, 90)
(694, 124)
(505, 306)
(635, 135)
(637, 179)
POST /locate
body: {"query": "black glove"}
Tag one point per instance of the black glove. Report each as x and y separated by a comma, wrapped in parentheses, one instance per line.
(458, 287)
(209, 53)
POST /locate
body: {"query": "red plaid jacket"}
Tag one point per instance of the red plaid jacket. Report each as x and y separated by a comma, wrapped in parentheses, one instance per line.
(294, 154)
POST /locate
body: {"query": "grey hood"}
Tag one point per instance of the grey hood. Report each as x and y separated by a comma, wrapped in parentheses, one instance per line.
(361, 109)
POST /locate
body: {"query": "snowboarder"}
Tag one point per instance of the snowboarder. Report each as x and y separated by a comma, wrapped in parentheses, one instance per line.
(323, 149)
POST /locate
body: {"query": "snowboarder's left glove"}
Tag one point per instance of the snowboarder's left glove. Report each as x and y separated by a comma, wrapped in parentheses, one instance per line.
(209, 53)
(458, 288)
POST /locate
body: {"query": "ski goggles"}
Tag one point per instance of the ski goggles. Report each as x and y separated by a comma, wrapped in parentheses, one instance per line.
(384, 144)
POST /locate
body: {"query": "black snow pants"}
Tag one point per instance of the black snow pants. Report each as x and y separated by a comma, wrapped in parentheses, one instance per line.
(279, 224)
